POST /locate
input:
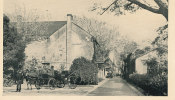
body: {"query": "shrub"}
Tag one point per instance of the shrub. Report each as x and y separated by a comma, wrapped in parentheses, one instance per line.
(84, 70)
(156, 85)
(8, 80)
(139, 80)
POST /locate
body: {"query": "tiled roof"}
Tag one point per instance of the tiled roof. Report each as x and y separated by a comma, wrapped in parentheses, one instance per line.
(52, 26)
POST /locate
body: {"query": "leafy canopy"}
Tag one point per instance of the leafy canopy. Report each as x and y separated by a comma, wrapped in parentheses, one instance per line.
(13, 46)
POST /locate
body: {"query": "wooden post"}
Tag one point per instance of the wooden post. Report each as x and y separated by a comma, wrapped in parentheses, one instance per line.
(104, 72)
(97, 78)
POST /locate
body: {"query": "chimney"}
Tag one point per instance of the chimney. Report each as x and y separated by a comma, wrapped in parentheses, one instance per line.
(68, 40)
(69, 22)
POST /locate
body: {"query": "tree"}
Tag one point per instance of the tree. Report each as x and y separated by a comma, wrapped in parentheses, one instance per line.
(154, 6)
(27, 23)
(13, 46)
(161, 43)
(108, 38)
(103, 32)
(162, 39)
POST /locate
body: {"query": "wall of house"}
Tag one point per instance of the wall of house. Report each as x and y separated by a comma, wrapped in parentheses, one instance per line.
(78, 47)
(55, 50)
(141, 67)
(101, 74)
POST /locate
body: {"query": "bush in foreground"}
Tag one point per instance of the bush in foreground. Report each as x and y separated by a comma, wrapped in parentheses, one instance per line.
(84, 70)
(156, 85)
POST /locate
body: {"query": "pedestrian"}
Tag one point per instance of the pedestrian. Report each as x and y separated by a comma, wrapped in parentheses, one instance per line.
(52, 71)
(19, 79)
(28, 80)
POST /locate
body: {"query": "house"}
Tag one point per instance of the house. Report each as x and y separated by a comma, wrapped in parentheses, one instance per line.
(140, 65)
(108, 64)
(135, 61)
(63, 42)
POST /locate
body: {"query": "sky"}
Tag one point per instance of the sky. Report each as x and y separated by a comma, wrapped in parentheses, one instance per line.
(140, 26)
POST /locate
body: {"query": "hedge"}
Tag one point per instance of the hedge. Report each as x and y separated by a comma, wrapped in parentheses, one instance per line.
(156, 85)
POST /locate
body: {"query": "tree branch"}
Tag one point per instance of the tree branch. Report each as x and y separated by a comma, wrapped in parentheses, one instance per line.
(129, 4)
(145, 6)
(163, 8)
(161, 4)
(108, 7)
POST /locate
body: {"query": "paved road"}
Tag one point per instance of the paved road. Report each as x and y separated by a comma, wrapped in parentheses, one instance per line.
(115, 87)
(110, 87)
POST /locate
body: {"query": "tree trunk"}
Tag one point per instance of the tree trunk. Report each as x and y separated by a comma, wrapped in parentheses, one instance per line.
(164, 12)
(163, 8)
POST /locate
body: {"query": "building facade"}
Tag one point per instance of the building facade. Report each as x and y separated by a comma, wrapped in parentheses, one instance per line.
(63, 46)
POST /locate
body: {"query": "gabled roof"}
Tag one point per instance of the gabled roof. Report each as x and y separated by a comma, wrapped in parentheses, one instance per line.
(81, 32)
(49, 27)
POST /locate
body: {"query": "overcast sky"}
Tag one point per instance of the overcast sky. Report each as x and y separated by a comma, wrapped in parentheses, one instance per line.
(140, 26)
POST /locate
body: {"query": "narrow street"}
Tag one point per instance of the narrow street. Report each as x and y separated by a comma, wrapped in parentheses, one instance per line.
(109, 87)
(115, 87)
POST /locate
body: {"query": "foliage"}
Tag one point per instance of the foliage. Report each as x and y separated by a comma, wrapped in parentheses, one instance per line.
(162, 47)
(32, 64)
(13, 47)
(147, 48)
(152, 85)
(130, 47)
(84, 70)
(121, 6)
(140, 80)
(152, 66)
(155, 81)
(126, 58)
(7, 80)
(157, 67)
(103, 32)
(107, 37)
(161, 40)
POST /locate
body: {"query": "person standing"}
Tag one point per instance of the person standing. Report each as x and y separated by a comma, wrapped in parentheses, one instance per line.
(19, 79)
(52, 71)
(28, 80)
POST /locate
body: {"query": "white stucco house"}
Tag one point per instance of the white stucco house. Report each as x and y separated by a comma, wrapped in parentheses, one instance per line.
(69, 41)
